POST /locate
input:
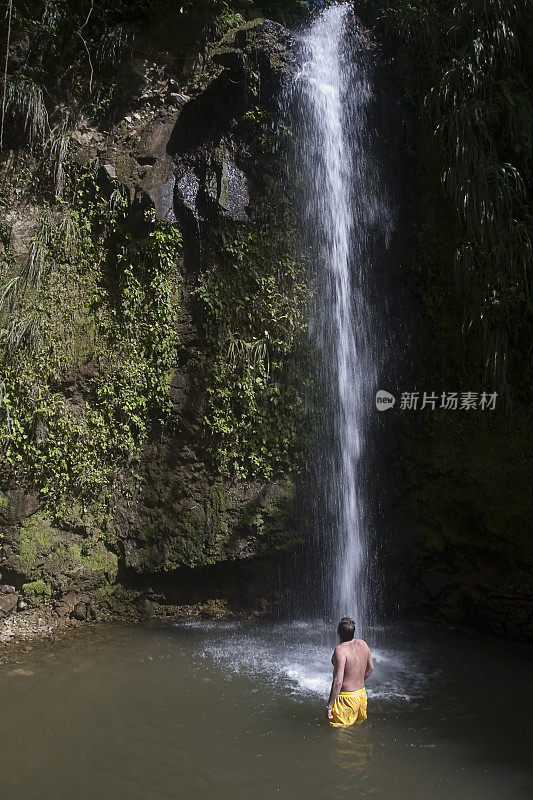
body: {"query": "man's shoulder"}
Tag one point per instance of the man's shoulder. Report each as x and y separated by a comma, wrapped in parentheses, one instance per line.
(341, 648)
(347, 647)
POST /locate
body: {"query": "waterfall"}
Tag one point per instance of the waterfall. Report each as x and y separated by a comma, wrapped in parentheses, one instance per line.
(330, 98)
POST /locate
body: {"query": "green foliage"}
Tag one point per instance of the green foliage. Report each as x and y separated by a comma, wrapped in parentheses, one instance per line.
(258, 116)
(25, 101)
(67, 48)
(88, 321)
(254, 301)
(471, 79)
(36, 590)
(96, 301)
(272, 135)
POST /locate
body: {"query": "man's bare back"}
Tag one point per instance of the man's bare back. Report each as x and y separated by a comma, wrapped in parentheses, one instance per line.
(353, 661)
(352, 664)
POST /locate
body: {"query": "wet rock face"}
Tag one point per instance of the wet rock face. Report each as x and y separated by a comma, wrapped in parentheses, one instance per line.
(51, 569)
(17, 505)
(186, 515)
(464, 586)
(199, 162)
(213, 146)
(214, 184)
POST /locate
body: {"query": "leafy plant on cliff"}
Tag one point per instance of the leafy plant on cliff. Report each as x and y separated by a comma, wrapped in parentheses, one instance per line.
(255, 324)
(470, 66)
(88, 335)
(25, 101)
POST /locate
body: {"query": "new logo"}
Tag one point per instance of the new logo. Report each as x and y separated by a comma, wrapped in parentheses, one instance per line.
(384, 400)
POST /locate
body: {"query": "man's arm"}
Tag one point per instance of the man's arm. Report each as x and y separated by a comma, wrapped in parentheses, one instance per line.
(369, 665)
(339, 661)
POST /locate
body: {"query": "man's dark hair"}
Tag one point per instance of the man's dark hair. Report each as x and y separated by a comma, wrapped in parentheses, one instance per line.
(346, 629)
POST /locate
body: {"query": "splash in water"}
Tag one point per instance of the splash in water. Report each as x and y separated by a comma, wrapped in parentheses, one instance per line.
(297, 657)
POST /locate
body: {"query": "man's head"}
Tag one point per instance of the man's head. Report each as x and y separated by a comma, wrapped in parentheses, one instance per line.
(346, 629)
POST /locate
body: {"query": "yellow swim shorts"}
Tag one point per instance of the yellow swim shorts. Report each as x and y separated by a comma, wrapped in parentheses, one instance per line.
(349, 708)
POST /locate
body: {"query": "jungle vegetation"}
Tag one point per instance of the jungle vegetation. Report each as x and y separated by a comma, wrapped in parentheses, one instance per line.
(61, 62)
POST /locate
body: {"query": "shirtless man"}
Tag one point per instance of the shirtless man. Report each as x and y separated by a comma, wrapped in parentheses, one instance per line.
(352, 664)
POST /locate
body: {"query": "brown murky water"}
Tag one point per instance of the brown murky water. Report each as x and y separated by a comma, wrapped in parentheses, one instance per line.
(236, 710)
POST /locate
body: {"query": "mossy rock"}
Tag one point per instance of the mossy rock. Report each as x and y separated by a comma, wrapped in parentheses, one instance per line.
(237, 35)
(36, 591)
(95, 557)
(36, 534)
(43, 554)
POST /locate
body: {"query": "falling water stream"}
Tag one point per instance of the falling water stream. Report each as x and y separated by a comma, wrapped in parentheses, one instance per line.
(345, 219)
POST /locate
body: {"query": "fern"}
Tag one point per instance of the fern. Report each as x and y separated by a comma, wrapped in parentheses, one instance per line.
(25, 101)
(468, 56)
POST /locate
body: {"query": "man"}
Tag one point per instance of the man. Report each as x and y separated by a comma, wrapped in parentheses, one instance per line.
(352, 664)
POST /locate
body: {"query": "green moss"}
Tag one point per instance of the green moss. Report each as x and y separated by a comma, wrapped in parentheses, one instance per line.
(106, 591)
(192, 540)
(35, 532)
(3, 501)
(189, 536)
(36, 590)
(95, 557)
(273, 518)
(237, 24)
